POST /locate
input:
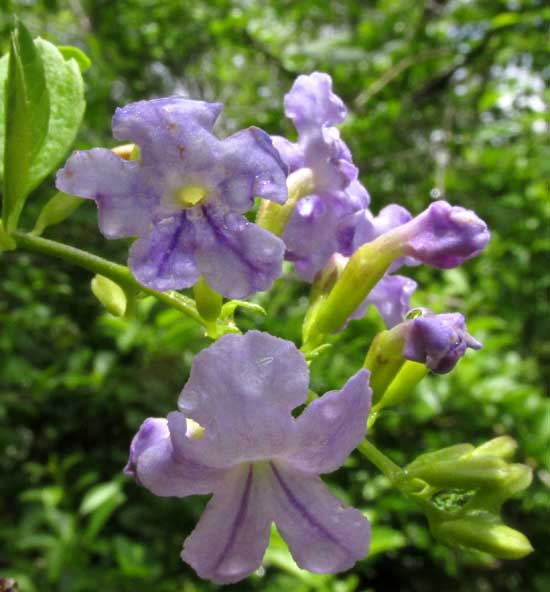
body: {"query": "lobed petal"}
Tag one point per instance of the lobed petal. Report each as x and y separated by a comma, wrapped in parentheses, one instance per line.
(253, 168)
(292, 154)
(242, 390)
(156, 464)
(124, 201)
(391, 296)
(311, 102)
(323, 534)
(236, 257)
(438, 341)
(174, 134)
(332, 426)
(163, 258)
(232, 535)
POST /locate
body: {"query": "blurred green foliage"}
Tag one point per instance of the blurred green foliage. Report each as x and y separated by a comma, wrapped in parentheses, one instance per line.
(447, 98)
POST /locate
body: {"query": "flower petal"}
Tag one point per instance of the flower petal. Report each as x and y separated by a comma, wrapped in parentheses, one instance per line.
(323, 534)
(241, 390)
(232, 535)
(291, 153)
(173, 133)
(391, 296)
(332, 426)
(157, 465)
(311, 102)
(163, 258)
(123, 200)
(236, 257)
(253, 168)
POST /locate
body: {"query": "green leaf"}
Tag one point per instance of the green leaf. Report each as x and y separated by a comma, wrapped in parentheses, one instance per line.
(66, 95)
(58, 208)
(99, 495)
(71, 52)
(66, 90)
(26, 115)
(385, 539)
(229, 308)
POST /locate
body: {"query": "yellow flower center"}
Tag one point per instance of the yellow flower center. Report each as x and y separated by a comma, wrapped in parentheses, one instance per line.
(190, 195)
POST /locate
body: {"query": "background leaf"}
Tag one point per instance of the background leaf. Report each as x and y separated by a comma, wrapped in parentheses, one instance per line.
(26, 116)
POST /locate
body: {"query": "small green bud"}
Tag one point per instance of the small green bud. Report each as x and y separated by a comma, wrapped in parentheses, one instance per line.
(462, 473)
(518, 477)
(445, 454)
(110, 294)
(209, 302)
(503, 447)
(483, 532)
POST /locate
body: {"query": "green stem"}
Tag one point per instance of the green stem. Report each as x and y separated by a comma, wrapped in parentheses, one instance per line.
(115, 272)
(392, 471)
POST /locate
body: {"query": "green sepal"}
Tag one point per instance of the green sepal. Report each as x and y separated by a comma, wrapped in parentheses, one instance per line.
(229, 308)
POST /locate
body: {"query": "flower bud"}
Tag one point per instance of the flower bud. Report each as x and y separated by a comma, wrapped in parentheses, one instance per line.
(483, 532)
(209, 302)
(445, 454)
(463, 472)
(110, 294)
(437, 340)
(503, 447)
(444, 236)
(58, 209)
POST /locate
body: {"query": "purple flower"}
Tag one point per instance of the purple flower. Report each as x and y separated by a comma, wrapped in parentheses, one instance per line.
(437, 340)
(319, 227)
(314, 109)
(260, 463)
(185, 197)
(316, 228)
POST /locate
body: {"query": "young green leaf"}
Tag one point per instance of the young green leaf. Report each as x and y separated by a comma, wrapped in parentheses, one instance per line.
(26, 116)
(71, 52)
(58, 208)
(66, 90)
(66, 100)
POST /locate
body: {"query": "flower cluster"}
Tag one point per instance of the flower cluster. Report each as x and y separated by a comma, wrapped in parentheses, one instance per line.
(184, 197)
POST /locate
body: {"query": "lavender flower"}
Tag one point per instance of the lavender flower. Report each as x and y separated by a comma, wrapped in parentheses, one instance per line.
(316, 228)
(437, 340)
(185, 197)
(260, 463)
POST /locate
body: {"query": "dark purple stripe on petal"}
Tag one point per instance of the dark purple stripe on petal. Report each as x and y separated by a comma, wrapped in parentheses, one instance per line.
(227, 242)
(239, 520)
(173, 243)
(311, 520)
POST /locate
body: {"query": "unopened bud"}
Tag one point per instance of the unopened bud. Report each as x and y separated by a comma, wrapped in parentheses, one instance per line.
(483, 532)
(503, 447)
(110, 294)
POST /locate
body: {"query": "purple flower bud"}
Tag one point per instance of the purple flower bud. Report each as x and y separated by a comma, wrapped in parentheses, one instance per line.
(445, 235)
(437, 340)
